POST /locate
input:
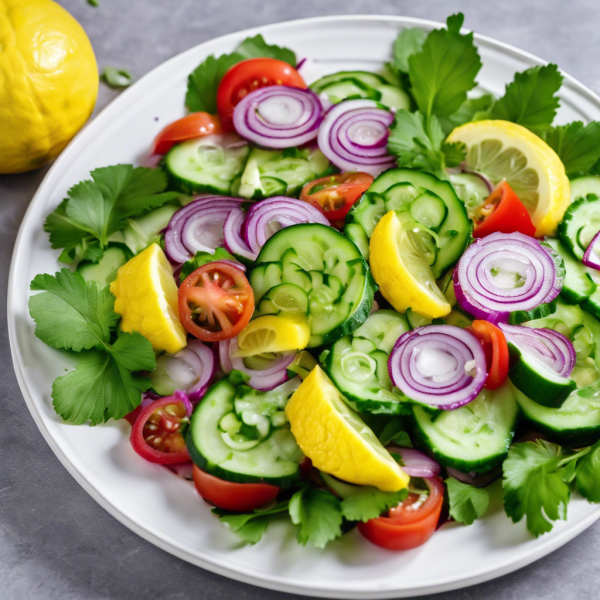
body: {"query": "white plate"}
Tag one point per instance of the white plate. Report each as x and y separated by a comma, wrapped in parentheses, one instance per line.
(164, 509)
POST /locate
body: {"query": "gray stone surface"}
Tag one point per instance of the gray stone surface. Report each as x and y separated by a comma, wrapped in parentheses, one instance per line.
(56, 543)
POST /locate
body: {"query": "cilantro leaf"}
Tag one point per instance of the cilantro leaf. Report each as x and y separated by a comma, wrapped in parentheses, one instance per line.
(577, 145)
(444, 70)
(409, 42)
(467, 502)
(395, 432)
(251, 527)
(469, 110)
(530, 100)
(534, 485)
(72, 313)
(454, 153)
(203, 258)
(318, 515)
(369, 503)
(587, 476)
(133, 351)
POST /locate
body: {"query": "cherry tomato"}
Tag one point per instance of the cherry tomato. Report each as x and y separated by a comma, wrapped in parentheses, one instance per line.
(131, 417)
(239, 497)
(250, 75)
(193, 126)
(496, 352)
(334, 195)
(215, 302)
(156, 433)
(502, 212)
(405, 526)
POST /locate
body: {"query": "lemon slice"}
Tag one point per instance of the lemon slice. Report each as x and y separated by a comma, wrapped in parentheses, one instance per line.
(146, 298)
(272, 333)
(401, 271)
(506, 151)
(336, 439)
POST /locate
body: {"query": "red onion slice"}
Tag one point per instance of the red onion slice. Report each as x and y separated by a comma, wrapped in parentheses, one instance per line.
(278, 116)
(353, 136)
(591, 257)
(260, 379)
(549, 347)
(416, 463)
(182, 397)
(438, 365)
(198, 227)
(504, 273)
(232, 232)
(269, 216)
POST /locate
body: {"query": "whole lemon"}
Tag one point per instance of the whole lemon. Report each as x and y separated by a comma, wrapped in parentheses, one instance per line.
(48, 82)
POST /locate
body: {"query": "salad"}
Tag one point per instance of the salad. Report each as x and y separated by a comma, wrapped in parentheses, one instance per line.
(351, 302)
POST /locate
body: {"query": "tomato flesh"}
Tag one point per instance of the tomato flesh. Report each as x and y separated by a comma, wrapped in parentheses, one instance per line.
(335, 195)
(407, 527)
(215, 302)
(190, 127)
(502, 212)
(495, 348)
(238, 497)
(156, 433)
(250, 75)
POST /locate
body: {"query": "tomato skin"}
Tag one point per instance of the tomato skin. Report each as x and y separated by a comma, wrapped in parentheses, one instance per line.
(502, 212)
(173, 449)
(407, 528)
(238, 497)
(250, 75)
(494, 344)
(225, 296)
(335, 195)
(192, 126)
(131, 417)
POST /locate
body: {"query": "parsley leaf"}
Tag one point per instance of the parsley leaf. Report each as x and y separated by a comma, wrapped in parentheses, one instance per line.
(251, 527)
(577, 145)
(587, 476)
(204, 80)
(467, 502)
(203, 258)
(318, 514)
(369, 503)
(395, 432)
(408, 42)
(444, 70)
(469, 110)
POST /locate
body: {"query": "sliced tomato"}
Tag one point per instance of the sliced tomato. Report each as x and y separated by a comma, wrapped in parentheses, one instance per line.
(502, 212)
(493, 340)
(215, 302)
(192, 126)
(131, 417)
(409, 524)
(239, 497)
(334, 195)
(250, 75)
(156, 433)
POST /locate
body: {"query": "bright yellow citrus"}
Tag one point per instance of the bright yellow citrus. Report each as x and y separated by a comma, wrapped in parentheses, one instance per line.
(403, 275)
(48, 82)
(336, 439)
(272, 333)
(506, 151)
(146, 298)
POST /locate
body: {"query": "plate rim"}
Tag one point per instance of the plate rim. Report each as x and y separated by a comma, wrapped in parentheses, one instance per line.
(241, 574)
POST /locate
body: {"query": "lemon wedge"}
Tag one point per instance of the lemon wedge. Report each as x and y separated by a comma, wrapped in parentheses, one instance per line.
(336, 439)
(271, 333)
(403, 275)
(506, 151)
(146, 298)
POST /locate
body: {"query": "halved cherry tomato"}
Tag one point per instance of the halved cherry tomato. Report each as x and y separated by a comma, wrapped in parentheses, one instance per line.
(334, 195)
(250, 75)
(239, 497)
(192, 126)
(215, 302)
(405, 526)
(493, 340)
(502, 212)
(131, 417)
(156, 433)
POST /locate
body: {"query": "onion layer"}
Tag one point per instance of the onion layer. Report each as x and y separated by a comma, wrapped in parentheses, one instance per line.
(438, 365)
(416, 463)
(232, 232)
(504, 273)
(591, 257)
(353, 136)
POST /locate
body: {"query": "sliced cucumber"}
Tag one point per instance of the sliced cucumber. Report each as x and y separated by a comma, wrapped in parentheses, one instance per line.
(540, 312)
(207, 164)
(105, 270)
(471, 189)
(365, 77)
(592, 304)
(583, 187)
(142, 231)
(580, 224)
(337, 91)
(394, 97)
(357, 234)
(283, 298)
(243, 435)
(475, 437)
(383, 328)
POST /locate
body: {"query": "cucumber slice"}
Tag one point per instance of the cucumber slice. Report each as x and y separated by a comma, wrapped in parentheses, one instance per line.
(583, 187)
(416, 320)
(105, 270)
(242, 435)
(283, 298)
(328, 267)
(394, 97)
(540, 312)
(340, 90)
(357, 234)
(536, 381)
(207, 164)
(592, 304)
(383, 328)
(471, 189)
(142, 231)
(580, 224)
(475, 437)
(364, 77)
